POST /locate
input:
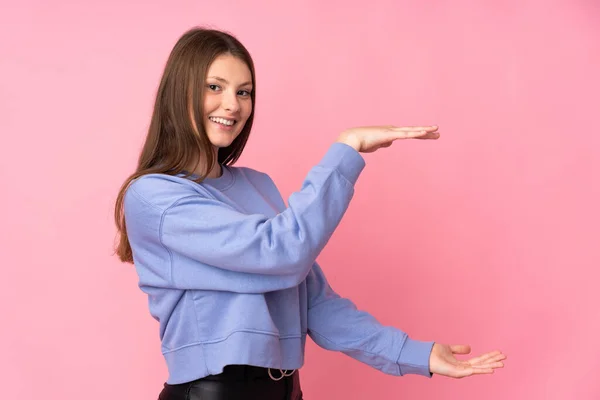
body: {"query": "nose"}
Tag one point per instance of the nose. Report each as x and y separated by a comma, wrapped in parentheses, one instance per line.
(231, 102)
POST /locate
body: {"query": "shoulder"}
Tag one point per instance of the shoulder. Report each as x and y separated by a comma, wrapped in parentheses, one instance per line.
(159, 191)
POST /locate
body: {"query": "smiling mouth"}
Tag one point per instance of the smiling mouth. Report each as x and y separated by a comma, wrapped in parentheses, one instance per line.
(223, 121)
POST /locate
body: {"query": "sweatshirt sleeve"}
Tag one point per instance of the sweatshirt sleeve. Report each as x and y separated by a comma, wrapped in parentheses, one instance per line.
(200, 232)
(335, 323)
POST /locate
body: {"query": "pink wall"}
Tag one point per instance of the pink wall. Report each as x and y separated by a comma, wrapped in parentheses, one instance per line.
(489, 236)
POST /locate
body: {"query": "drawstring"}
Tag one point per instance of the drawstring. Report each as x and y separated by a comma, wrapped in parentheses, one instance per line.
(284, 373)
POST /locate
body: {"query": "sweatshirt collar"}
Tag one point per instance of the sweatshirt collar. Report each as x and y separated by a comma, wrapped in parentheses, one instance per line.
(222, 182)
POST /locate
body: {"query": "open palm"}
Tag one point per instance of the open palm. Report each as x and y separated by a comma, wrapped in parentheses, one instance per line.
(367, 139)
(443, 361)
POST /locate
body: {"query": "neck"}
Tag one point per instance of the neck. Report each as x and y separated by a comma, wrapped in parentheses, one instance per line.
(214, 172)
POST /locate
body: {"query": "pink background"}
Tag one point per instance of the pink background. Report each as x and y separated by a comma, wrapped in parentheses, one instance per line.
(489, 236)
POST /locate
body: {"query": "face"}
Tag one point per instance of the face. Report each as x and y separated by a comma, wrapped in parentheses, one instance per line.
(227, 101)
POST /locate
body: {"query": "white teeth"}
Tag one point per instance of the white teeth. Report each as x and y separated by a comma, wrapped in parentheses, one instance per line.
(222, 121)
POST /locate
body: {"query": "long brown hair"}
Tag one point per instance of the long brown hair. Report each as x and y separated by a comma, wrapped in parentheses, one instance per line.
(174, 140)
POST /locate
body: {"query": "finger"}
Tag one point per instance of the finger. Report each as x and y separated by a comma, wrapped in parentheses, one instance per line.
(488, 357)
(468, 371)
(430, 135)
(460, 348)
(494, 365)
(498, 357)
(481, 358)
(488, 364)
(430, 128)
(406, 134)
(416, 133)
(478, 371)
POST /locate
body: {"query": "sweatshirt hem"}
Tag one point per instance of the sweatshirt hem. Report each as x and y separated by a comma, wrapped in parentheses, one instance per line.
(196, 361)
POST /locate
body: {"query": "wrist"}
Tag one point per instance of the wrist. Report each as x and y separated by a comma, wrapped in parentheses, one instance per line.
(349, 140)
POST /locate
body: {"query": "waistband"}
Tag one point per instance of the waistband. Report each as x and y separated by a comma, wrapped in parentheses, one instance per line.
(237, 382)
(246, 372)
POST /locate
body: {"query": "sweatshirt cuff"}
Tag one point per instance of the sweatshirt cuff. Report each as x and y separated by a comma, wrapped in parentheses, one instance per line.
(414, 358)
(345, 159)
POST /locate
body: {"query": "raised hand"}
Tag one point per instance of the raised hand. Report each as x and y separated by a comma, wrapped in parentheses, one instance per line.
(368, 139)
(442, 361)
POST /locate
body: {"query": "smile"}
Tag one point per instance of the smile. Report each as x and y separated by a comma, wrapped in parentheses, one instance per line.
(223, 121)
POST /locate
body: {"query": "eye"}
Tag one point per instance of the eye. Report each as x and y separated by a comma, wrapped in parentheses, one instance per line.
(213, 87)
(244, 93)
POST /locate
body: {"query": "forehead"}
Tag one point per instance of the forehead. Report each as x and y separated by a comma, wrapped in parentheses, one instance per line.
(230, 68)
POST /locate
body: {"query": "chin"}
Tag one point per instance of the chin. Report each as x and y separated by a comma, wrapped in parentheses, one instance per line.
(220, 141)
(222, 138)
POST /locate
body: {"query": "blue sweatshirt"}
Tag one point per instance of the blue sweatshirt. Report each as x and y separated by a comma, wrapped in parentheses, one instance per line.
(231, 277)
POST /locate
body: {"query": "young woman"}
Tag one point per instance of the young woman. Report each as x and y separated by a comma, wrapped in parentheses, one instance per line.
(228, 268)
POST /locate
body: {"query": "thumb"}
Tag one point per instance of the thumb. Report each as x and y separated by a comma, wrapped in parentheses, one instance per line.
(460, 348)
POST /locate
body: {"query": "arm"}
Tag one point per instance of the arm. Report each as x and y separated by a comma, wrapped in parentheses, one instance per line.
(191, 241)
(202, 234)
(334, 323)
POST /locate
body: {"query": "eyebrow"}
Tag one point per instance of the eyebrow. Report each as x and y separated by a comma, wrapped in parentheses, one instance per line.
(225, 80)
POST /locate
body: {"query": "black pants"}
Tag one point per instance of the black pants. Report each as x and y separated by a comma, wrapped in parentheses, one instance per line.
(237, 382)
